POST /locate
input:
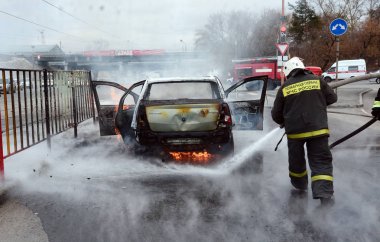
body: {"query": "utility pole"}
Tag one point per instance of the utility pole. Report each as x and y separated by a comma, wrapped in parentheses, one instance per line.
(42, 37)
(184, 47)
(282, 38)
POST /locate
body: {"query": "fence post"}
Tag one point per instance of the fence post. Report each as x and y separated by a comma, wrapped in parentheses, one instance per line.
(91, 97)
(75, 115)
(47, 113)
(1, 151)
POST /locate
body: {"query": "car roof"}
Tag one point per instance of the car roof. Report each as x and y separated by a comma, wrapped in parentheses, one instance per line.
(181, 79)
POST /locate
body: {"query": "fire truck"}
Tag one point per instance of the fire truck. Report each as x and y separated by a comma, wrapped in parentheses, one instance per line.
(263, 66)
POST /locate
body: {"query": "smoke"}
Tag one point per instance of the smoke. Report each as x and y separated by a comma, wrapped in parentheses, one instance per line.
(124, 197)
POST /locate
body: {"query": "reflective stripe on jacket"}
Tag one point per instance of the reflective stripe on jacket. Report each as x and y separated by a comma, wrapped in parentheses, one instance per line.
(376, 104)
(301, 103)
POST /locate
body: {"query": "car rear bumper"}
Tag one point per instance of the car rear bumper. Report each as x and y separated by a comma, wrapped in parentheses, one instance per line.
(185, 140)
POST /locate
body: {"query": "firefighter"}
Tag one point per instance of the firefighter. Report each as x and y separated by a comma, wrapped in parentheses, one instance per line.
(376, 106)
(300, 107)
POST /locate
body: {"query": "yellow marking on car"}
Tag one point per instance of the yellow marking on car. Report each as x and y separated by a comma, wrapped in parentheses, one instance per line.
(183, 117)
(185, 110)
(204, 112)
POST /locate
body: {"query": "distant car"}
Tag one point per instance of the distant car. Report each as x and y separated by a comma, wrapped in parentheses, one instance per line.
(179, 114)
(346, 69)
(8, 85)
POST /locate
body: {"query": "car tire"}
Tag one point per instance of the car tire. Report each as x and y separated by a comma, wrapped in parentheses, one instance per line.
(328, 79)
(378, 80)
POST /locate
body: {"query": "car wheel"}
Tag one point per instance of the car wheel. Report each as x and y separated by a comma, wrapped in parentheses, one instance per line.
(328, 79)
(378, 80)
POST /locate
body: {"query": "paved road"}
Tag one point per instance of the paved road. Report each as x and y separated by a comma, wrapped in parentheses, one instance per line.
(89, 189)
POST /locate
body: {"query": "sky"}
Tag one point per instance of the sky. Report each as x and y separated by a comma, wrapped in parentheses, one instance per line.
(115, 24)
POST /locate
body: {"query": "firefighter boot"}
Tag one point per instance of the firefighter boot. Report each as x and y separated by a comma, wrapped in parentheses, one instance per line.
(327, 201)
(300, 183)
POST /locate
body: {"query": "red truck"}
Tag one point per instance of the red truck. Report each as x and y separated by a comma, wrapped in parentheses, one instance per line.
(263, 66)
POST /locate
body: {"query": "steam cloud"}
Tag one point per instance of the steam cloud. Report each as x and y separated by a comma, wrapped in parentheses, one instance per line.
(123, 196)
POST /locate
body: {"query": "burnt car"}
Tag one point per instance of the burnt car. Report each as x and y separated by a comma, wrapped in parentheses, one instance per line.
(180, 114)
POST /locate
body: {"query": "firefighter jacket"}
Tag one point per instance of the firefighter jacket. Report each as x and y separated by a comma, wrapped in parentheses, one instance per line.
(300, 105)
(376, 105)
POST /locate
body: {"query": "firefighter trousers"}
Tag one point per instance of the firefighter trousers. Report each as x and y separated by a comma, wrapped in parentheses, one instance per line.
(320, 163)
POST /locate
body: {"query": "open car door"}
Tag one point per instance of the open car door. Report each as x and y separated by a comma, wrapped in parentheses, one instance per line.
(107, 97)
(247, 107)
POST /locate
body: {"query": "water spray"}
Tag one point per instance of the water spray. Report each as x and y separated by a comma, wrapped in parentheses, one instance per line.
(248, 152)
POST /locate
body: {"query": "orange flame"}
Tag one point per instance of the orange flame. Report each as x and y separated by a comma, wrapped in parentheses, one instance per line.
(114, 96)
(194, 157)
(115, 99)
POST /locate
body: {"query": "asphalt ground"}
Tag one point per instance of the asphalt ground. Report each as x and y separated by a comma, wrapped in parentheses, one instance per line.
(19, 223)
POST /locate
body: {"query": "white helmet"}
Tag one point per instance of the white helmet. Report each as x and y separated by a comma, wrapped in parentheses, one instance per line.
(293, 63)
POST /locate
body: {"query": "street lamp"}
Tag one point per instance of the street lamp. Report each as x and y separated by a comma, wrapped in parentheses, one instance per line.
(184, 48)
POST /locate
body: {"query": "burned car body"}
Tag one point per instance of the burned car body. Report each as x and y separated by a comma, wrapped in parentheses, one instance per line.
(181, 114)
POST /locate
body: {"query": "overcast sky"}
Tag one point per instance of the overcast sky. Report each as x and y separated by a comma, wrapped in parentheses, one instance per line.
(123, 24)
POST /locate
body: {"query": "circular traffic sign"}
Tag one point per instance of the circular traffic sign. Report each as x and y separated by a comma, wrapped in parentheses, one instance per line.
(338, 27)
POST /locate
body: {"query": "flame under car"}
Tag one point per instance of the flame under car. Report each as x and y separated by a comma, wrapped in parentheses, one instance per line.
(185, 118)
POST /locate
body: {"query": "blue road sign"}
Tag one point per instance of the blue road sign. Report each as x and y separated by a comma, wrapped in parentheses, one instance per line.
(338, 27)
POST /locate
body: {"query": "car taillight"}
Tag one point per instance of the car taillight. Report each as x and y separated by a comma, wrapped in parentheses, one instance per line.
(225, 116)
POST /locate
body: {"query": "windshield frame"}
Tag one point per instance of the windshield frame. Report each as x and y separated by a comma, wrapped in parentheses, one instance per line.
(216, 93)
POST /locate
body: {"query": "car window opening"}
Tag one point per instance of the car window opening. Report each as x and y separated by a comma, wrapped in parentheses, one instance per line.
(182, 90)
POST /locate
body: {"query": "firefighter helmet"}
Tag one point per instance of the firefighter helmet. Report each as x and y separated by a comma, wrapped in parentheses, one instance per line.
(293, 63)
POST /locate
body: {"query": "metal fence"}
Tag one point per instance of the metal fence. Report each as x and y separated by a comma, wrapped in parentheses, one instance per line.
(37, 104)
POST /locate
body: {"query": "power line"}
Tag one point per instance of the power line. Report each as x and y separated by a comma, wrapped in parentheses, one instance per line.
(80, 20)
(40, 25)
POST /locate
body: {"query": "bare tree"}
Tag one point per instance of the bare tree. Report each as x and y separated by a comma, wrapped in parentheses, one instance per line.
(227, 33)
(240, 34)
(266, 33)
(351, 10)
(227, 36)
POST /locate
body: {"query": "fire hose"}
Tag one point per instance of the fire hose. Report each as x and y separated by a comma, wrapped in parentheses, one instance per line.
(338, 84)
(341, 140)
(355, 132)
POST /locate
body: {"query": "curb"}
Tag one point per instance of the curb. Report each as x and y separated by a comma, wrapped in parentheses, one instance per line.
(361, 96)
(360, 105)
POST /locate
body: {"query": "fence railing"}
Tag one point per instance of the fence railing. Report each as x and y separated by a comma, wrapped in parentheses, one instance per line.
(37, 104)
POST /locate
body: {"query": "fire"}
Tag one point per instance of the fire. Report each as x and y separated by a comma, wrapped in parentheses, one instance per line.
(115, 99)
(200, 157)
(114, 96)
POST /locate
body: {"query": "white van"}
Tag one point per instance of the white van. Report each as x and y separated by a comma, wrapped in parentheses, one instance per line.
(346, 69)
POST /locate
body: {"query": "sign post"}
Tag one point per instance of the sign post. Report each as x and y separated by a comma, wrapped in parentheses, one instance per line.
(338, 27)
(282, 47)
